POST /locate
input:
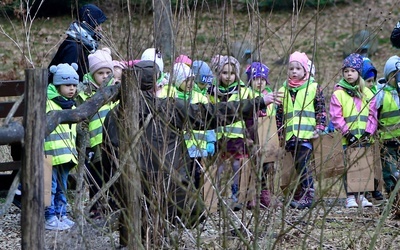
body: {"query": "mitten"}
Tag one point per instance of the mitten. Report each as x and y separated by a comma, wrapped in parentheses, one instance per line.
(351, 139)
(210, 147)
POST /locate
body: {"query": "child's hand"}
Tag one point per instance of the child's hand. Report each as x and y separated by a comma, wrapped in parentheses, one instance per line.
(316, 134)
(351, 139)
(274, 97)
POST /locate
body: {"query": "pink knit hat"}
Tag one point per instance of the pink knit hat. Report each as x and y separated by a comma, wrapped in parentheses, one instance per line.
(119, 64)
(184, 59)
(300, 57)
(100, 59)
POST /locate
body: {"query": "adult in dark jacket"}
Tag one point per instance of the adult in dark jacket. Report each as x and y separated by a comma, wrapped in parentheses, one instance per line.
(82, 39)
(161, 146)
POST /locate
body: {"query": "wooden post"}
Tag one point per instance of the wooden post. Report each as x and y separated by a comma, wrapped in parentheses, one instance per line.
(32, 212)
(131, 223)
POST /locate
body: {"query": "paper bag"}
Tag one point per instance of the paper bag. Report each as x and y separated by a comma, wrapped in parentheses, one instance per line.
(287, 171)
(328, 156)
(47, 175)
(268, 138)
(360, 169)
(248, 179)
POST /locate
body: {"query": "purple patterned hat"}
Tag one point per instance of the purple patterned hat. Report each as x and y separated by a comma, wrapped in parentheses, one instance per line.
(354, 61)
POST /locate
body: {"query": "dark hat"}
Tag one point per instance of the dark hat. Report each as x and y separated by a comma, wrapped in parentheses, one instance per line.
(92, 15)
(149, 73)
(354, 61)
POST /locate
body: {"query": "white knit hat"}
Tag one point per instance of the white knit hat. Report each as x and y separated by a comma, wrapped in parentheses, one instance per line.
(181, 72)
(100, 59)
(152, 54)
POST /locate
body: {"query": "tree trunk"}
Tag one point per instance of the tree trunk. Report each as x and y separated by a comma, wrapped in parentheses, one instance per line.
(32, 213)
(164, 34)
(131, 223)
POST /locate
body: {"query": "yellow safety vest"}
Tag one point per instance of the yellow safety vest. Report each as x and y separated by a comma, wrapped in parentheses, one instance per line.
(299, 117)
(389, 117)
(355, 120)
(61, 143)
(236, 129)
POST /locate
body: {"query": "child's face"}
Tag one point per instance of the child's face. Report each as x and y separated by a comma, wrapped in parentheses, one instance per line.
(187, 85)
(296, 71)
(350, 75)
(392, 79)
(67, 90)
(227, 75)
(117, 75)
(101, 74)
(258, 84)
(369, 82)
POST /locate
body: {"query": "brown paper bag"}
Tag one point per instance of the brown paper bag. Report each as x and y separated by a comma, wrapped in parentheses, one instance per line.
(47, 175)
(360, 169)
(328, 156)
(247, 184)
(210, 184)
(268, 138)
(287, 171)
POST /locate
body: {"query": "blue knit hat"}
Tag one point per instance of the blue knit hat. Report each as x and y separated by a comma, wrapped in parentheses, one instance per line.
(91, 15)
(202, 72)
(65, 74)
(354, 61)
(257, 70)
(368, 69)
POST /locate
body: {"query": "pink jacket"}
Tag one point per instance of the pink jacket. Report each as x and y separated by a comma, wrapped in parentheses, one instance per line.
(335, 110)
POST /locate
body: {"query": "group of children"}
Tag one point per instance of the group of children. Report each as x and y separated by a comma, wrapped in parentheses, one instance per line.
(358, 105)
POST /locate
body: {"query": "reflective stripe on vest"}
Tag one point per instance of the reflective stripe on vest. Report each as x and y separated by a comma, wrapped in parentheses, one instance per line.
(61, 142)
(389, 118)
(96, 125)
(196, 137)
(355, 120)
(236, 129)
(300, 115)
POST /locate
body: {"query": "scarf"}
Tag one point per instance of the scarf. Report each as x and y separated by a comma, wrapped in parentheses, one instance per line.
(61, 101)
(79, 33)
(286, 84)
(182, 95)
(295, 83)
(350, 89)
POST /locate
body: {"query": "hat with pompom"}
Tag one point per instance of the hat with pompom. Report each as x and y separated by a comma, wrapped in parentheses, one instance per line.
(354, 61)
(184, 59)
(65, 74)
(181, 72)
(153, 54)
(100, 59)
(257, 70)
(202, 72)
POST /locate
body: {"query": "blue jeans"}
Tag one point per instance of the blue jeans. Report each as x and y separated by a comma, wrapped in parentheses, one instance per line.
(59, 178)
(301, 161)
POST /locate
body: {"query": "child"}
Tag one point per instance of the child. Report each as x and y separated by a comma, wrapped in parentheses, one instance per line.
(351, 98)
(301, 118)
(388, 104)
(60, 144)
(118, 67)
(232, 138)
(101, 69)
(197, 141)
(163, 88)
(203, 77)
(257, 77)
(369, 74)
